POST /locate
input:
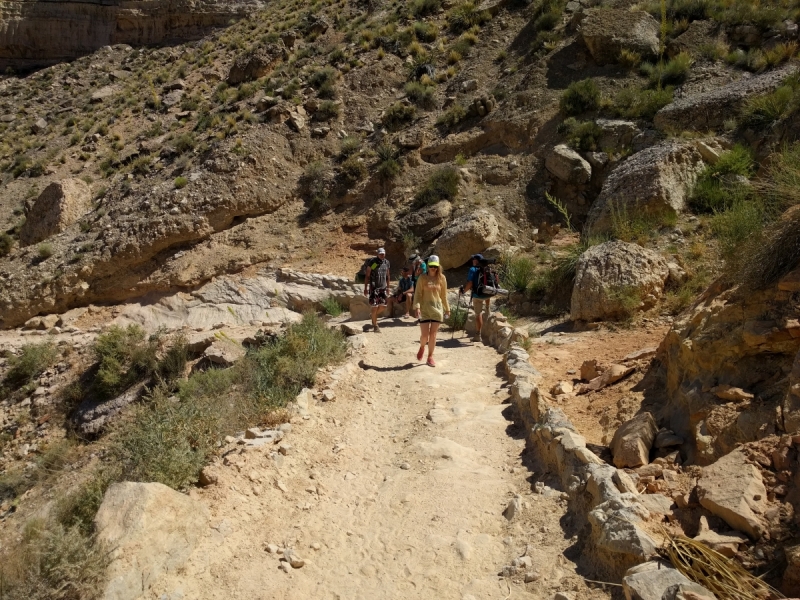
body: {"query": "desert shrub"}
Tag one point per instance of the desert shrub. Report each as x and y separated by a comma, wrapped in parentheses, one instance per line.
(671, 72)
(31, 362)
(737, 223)
(53, 562)
(581, 135)
(421, 8)
(458, 318)
(185, 143)
(420, 94)
(629, 59)
(323, 81)
(425, 32)
(328, 110)
(518, 272)
(720, 186)
(768, 109)
(772, 254)
(637, 225)
(579, 97)
(452, 116)
(124, 356)
(388, 161)
(441, 185)
(180, 182)
(314, 183)
(332, 307)
(349, 145)
(397, 116)
(628, 299)
(466, 15)
(6, 244)
(45, 250)
(634, 103)
(353, 170)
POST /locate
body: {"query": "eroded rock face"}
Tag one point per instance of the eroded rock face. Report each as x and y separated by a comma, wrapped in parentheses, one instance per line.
(60, 205)
(710, 110)
(732, 338)
(466, 236)
(40, 33)
(655, 181)
(255, 64)
(732, 489)
(606, 32)
(615, 278)
(150, 530)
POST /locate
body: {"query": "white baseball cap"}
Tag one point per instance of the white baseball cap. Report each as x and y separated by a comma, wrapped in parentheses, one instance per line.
(433, 260)
(381, 251)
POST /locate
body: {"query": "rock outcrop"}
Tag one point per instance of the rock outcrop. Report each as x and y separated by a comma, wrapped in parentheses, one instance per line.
(569, 166)
(733, 338)
(710, 110)
(633, 440)
(732, 489)
(60, 205)
(149, 530)
(255, 64)
(614, 279)
(466, 236)
(607, 32)
(40, 33)
(655, 181)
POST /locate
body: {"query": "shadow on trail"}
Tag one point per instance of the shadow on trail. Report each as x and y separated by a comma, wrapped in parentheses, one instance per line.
(405, 367)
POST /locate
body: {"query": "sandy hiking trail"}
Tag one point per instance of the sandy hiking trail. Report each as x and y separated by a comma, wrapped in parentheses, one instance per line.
(396, 489)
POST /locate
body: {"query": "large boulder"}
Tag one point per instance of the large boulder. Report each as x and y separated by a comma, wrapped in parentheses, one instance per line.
(569, 166)
(791, 403)
(655, 181)
(609, 31)
(150, 530)
(614, 279)
(466, 236)
(427, 224)
(255, 64)
(633, 440)
(60, 205)
(710, 110)
(651, 580)
(733, 490)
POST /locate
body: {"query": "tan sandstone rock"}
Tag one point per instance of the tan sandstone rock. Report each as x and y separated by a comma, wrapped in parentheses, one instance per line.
(616, 278)
(725, 544)
(606, 32)
(632, 441)
(466, 236)
(566, 164)
(732, 489)
(150, 530)
(60, 205)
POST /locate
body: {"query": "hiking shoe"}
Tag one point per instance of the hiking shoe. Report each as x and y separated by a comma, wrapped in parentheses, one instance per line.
(420, 353)
(377, 329)
(431, 362)
(476, 338)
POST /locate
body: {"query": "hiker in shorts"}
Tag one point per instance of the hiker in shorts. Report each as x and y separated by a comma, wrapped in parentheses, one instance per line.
(480, 303)
(376, 286)
(404, 293)
(431, 307)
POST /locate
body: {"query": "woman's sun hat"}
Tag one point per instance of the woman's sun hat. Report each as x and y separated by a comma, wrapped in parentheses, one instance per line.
(433, 260)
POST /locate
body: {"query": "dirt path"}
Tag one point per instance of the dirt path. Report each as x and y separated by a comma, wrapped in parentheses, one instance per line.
(394, 490)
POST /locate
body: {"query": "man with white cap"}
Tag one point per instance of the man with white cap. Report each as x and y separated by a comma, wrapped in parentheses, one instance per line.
(376, 285)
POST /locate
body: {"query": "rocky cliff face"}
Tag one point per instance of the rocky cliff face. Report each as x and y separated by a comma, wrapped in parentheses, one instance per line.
(40, 33)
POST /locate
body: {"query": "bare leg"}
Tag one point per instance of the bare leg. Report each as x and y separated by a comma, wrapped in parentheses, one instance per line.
(432, 338)
(374, 316)
(409, 298)
(425, 329)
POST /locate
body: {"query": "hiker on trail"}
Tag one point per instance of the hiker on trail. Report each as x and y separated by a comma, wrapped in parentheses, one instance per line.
(430, 306)
(418, 267)
(480, 302)
(376, 285)
(404, 293)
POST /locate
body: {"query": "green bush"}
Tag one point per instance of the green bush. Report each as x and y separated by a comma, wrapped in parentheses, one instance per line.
(518, 272)
(466, 15)
(425, 32)
(388, 161)
(767, 110)
(124, 357)
(353, 170)
(325, 75)
(32, 361)
(420, 94)
(6, 244)
(185, 143)
(421, 8)
(327, 110)
(332, 307)
(772, 254)
(180, 182)
(580, 97)
(397, 116)
(634, 103)
(441, 185)
(672, 72)
(349, 145)
(638, 226)
(452, 116)
(45, 250)
(581, 135)
(719, 186)
(735, 224)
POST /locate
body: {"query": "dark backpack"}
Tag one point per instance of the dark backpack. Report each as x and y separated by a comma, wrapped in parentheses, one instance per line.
(488, 279)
